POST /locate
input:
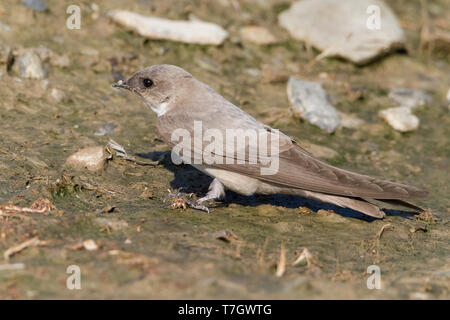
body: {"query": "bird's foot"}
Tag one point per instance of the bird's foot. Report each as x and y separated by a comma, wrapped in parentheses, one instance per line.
(216, 191)
(182, 201)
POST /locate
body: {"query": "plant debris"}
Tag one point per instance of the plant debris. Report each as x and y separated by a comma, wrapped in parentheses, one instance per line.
(21, 246)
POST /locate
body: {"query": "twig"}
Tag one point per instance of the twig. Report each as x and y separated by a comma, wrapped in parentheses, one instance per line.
(304, 255)
(12, 266)
(120, 152)
(40, 206)
(17, 248)
(281, 266)
(385, 227)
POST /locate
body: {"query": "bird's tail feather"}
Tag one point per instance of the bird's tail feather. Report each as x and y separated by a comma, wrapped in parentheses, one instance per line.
(352, 203)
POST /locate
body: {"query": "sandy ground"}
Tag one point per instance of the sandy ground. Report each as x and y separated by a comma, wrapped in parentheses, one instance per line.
(147, 250)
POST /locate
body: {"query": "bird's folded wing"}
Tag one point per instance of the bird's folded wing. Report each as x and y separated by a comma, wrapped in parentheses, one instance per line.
(298, 169)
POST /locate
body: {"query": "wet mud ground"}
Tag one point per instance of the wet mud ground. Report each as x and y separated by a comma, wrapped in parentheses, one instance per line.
(147, 250)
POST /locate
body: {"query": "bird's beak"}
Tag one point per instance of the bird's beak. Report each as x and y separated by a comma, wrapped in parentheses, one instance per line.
(121, 84)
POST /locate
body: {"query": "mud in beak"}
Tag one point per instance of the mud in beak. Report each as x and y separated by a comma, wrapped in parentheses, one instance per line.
(121, 84)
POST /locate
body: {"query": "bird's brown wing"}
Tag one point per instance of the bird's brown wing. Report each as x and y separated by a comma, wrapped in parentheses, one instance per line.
(298, 169)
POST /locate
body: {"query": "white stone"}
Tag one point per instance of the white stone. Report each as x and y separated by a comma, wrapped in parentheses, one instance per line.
(58, 95)
(257, 35)
(309, 101)
(158, 28)
(30, 65)
(400, 118)
(90, 158)
(340, 28)
(90, 245)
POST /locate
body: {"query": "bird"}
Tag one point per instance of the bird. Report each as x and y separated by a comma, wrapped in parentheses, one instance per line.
(182, 103)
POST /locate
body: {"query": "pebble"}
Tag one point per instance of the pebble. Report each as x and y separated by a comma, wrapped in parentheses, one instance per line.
(340, 28)
(158, 28)
(107, 128)
(58, 95)
(30, 65)
(409, 97)
(90, 245)
(36, 5)
(400, 118)
(90, 158)
(309, 101)
(257, 35)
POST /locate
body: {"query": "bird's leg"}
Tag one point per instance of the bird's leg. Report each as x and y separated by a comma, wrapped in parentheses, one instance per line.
(216, 191)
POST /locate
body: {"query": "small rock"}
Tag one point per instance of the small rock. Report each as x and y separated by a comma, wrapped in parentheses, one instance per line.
(309, 101)
(105, 129)
(30, 65)
(36, 5)
(112, 223)
(257, 35)
(90, 158)
(90, 245)
(400, 118)
(158, 28)
(340, 28)
(58, 95)
(410, 98)
(350, 121)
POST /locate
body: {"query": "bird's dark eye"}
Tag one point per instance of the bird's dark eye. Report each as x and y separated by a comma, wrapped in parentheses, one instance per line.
(147, 82)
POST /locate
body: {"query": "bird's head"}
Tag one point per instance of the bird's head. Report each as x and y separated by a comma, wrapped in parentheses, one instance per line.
(156, 85)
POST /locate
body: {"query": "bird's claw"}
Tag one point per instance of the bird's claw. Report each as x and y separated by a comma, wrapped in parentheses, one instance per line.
(192, 204)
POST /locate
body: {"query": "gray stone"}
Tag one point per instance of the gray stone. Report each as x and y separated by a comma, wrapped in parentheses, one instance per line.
(30, 65)
(309, 101)
(340, 28)
(36, 5)
(400, 118)
(410, 98)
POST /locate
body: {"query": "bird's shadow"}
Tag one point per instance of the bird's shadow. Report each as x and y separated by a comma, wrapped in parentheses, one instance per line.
(188, 179)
